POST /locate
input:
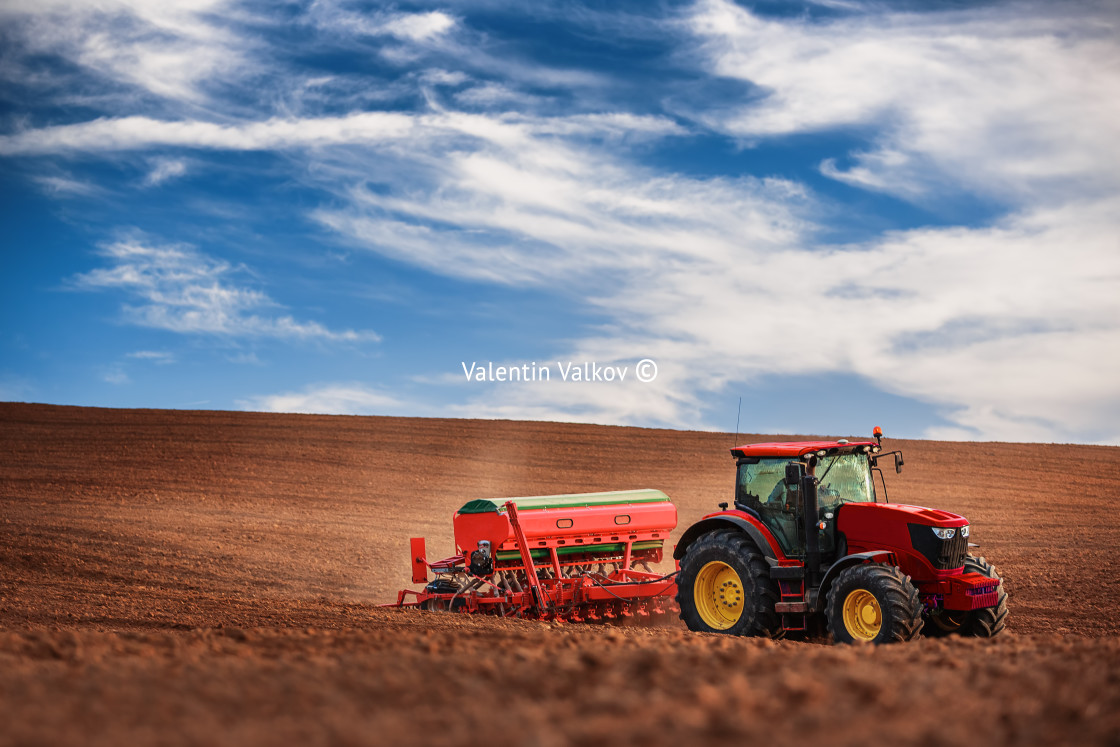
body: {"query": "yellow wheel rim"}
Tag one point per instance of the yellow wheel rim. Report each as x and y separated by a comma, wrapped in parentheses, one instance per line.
(719, 595)
(862, 616)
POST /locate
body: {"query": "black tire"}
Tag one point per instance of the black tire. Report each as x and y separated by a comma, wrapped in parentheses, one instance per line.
(944, 623)
(989, 621)
(443, 586)
(981, 623)
(755, 616)
(897, 610)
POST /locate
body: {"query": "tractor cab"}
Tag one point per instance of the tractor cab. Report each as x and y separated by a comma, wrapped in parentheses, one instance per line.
(842, 471)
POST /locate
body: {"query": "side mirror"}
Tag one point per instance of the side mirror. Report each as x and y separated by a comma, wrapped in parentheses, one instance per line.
(898, 463)
(794, 472)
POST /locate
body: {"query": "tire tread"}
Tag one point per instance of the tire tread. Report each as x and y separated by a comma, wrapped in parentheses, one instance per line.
(987, 621)
(899, 600)
(738, 544)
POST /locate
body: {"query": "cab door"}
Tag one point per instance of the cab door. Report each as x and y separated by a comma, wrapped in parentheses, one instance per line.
(761, 487)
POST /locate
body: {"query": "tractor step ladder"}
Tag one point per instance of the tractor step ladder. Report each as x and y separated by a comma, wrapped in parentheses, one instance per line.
(791, 603)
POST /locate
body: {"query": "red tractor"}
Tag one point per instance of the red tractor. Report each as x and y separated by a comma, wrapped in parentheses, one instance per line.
(809, 546)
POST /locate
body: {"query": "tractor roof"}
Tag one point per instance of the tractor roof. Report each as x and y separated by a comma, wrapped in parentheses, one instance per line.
(797, 448)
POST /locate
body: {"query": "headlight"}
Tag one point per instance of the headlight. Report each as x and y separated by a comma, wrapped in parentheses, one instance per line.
(964, 530)
(946, 533)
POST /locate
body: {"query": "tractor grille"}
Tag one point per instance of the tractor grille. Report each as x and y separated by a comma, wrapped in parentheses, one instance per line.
(944, 555)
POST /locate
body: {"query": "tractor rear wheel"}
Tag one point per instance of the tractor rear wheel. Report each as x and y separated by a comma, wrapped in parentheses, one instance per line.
(724, 587)
(873, 603)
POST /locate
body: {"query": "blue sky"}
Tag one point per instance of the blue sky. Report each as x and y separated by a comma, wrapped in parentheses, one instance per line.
(846, 213)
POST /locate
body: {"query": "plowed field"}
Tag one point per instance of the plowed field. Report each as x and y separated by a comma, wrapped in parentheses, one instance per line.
(208, 578)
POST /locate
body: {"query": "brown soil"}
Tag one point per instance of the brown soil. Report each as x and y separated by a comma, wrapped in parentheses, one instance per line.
(212, 578)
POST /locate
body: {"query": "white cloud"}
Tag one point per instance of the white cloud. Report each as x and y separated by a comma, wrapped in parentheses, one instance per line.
(491, 95)
(330, 399)
(540, 213)
(438, 77)
(164, 169)
(1016, 100)
(182, 290)
(115, 376)
(64, 186)
(250, 358)
(160, 358)
(132, 133)
(405, 39)
(417, 27)
(1014, 331)
(363, 128)
(169, 49)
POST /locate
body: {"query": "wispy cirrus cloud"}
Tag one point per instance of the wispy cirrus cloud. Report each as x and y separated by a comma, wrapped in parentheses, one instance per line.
(422, 27)
(361, 128)
(164, 169)
(158, 357)
(1009, 327)
(727, 280)
(1014, 100)
(169, 50)
(136, 133)
(182, 290)
(59, 185)
(332, 399)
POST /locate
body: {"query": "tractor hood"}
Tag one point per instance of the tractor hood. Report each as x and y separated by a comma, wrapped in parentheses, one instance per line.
(889, 523)
(900, 512)
(905, 530)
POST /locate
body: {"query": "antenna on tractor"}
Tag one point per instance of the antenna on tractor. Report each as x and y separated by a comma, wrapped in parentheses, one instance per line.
(738, 411)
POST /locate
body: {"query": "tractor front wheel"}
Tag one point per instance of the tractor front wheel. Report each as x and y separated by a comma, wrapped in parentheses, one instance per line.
(981, 623)
(873, 603)
(724, 587)
(944, 622)
(986, 622)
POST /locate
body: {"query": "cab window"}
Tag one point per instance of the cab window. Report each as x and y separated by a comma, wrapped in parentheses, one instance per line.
(761, 487)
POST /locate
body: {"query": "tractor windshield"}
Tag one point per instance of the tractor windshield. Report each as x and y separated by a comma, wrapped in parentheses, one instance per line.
(845, 478)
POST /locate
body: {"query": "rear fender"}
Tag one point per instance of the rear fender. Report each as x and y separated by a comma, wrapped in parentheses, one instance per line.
(761, 536)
